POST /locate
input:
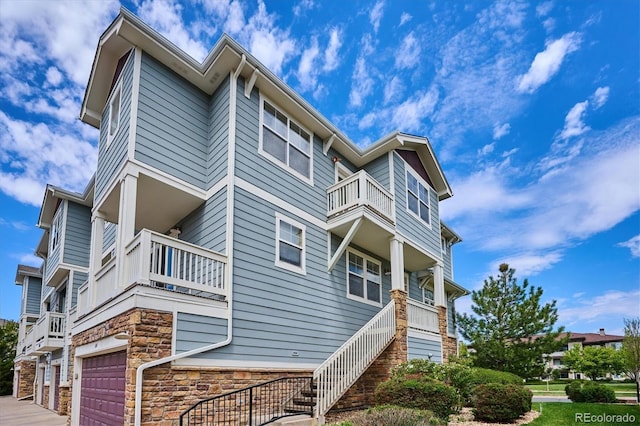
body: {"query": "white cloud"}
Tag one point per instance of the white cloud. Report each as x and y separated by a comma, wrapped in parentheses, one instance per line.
(362, 83)
(375, 15)
(487, 149)
(404, 18)
(600, 97)
(30, 260)
(307, 70)
(34, 155)
(165, 17)
(633, 244)
(331, 54)
(547, 63)
(530, 264)
(408, 55)
(393, 89)
(302, 7)
(573, 122)
(600, 308)
(54, 77)
(544, 8)
(409, 115)
(500, 130)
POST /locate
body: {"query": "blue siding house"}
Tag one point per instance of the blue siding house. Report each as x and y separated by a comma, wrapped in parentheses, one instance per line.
(234, 236)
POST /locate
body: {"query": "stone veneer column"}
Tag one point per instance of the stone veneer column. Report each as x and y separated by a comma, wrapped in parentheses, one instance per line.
(26, 376)
(362, 393)
(449, 344)
(63, 402)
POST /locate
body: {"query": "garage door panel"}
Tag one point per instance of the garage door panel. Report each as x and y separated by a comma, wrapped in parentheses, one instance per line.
(103, 390)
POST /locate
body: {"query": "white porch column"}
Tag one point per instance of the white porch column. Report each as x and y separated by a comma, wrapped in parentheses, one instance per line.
(126, 222)
(438, 286)
(397, 264)
(95, 256)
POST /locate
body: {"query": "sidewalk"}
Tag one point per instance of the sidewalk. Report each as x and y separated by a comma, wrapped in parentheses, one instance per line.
(26, 413)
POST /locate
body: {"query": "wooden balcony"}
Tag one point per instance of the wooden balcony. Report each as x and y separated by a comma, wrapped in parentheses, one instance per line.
(48, 332)
(159, 261)
(360, 190)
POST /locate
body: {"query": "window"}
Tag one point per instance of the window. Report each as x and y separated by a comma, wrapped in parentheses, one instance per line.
(290, 244)
(284, 142)
(427, 296)
(445, 245)
(56, 229)
(364, 281)
(418, 197)
(114, 114)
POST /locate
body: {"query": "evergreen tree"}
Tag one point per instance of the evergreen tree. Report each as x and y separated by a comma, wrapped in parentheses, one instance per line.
(511, 330)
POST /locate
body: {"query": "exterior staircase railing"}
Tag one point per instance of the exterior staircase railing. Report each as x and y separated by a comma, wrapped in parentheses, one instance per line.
(341, 370)
(255, 405)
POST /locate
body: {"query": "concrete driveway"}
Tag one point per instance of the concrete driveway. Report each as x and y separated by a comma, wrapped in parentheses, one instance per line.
(26, 413)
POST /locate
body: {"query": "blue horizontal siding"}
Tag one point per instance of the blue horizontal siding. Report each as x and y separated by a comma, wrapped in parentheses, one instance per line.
(195, 331)
(277, 312)
(218, 133)
(206, 225)
(420, 348)
(77, 241)
(79, 278)
(172, 123)
(34, 293)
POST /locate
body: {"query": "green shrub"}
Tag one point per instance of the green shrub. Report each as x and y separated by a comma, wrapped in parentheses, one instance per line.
(390, 415)
(483, 376)
(579, 391)
(495, 402)
(419, 393)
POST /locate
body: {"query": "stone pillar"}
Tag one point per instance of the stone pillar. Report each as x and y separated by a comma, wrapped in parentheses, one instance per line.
(449, 344)
(26, 375)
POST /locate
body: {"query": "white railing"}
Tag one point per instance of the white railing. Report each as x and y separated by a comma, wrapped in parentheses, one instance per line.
(422, 317)
(346, 365)
(360, 189)
(29, 341)
(83, 306)
(161, 261)
(49, 331)
(105, 284)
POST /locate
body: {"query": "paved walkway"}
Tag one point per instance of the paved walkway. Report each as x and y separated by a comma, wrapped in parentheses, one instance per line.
(26, 413)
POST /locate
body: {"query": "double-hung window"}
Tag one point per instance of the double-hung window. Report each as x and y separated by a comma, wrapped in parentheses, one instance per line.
(364, 280)
(290, 244)
(56, 229)
(418, 197)
(114, 113)
(285, 142)
(427, 296)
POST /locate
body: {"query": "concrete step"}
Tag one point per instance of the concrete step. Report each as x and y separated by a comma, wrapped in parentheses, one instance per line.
(300, 420)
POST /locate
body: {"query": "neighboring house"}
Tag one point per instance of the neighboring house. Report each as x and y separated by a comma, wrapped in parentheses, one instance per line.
(237, 236)
(554, 360)
(24, 368)
(50, 297)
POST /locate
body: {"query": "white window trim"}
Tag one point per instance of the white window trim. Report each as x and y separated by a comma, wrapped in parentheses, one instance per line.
(309, 179)
(116, 91)
(422, 182)
(302, 269)
(57, 226)
(341, 171)
(367, 259)
(444, 243)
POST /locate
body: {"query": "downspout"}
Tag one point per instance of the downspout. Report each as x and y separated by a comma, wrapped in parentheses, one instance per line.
(231, 157)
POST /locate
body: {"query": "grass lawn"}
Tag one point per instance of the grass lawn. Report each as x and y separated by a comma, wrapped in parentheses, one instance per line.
(621, 389)
(561, 414)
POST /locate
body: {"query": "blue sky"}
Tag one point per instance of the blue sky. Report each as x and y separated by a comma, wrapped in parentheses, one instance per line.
(532, 108)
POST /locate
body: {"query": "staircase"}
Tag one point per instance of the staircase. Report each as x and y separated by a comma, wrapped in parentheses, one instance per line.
(291, 401)
(341, 370)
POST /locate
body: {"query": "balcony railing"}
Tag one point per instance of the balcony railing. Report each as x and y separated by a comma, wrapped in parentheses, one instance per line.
(168, 263)
(29, 341)
(422, 317)
(49, 332)
(360, 189)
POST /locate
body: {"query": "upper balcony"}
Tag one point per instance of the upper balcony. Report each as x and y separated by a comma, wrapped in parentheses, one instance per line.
(359, 191)
(159, 261)
(47, 333)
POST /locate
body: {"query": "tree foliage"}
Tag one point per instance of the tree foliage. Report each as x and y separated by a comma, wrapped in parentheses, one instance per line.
(631, 351)
(507, 317)
(8, 343)
(594, 361)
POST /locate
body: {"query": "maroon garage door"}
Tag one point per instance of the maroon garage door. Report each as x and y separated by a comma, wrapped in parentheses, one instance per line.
(102, 392)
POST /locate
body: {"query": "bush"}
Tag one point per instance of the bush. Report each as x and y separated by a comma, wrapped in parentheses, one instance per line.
(419, 393)
(483, 376)
(578, 391)
(500, 403)
(389, 415)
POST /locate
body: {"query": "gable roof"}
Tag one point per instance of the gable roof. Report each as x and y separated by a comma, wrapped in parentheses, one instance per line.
(53, 194)
(26, 271)
(128, 31)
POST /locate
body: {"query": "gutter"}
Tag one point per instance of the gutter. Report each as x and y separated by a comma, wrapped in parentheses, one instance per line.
(231, 157)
